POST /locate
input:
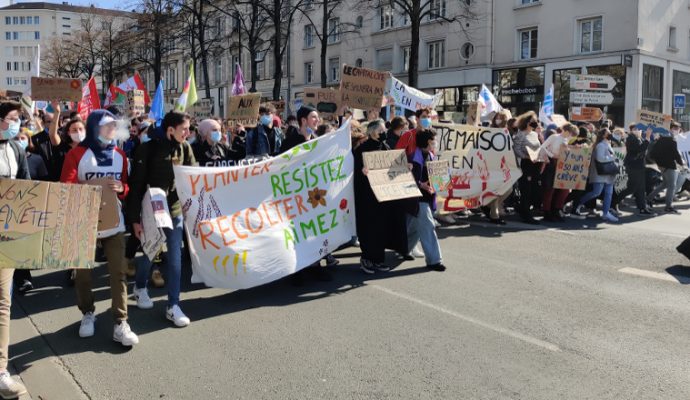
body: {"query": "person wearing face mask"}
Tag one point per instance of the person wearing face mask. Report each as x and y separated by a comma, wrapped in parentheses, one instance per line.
(527, 137)
(213, 152)
(636, 145)
(153, 167)
(603, 153)
(43, 142)
(554, 199)
(95, 157)
(265, 139)
(308, 120)
(74, 133)
(397, 127)
(667, 157)
(13, 165)
(407, 140)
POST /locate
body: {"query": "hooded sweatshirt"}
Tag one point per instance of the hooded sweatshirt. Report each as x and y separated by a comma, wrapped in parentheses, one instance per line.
(93, 160)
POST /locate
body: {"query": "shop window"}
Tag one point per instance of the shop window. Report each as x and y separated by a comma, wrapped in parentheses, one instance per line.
(652, 87)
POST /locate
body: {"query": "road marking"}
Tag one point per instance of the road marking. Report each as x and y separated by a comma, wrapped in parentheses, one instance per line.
(663, 276)
(486, 325)
(562, 231)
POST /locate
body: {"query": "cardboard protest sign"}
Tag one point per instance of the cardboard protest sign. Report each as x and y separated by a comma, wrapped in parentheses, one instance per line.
(439, 175)
(48, 224)
(135, 100)
(202, 109)
(410, 98)
(572, 169)
(49, 89)
(362, 88)
(244, 109)
(657, 121)
(482, 164)
(279, 105)
(293, 210)
(389, 176)
(325, 101)
(473, 116)
(559, 120)
(109, 210)
(586, 114)
(152, 236)
(621, 180)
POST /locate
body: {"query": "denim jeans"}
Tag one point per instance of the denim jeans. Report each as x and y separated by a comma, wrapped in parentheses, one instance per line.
(669, 183)
(173, 240)
(421, 228)
(597, 189)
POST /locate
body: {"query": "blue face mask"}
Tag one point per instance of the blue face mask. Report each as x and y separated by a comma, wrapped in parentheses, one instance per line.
(310, 131)
(144, 138)
(266, 119)
(11, 131)
(216, 136)
(425, 123)
(191, 139)
(104, 140)
(24, 143)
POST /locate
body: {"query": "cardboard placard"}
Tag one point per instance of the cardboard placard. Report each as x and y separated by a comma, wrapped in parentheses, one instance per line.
(439, 175)
(586, 114)
(620, 183)
(48, 224)
(244, 109)
(654, 118)
(473, 114)
(109, 211)
(572, 169)
(389, 177)
(362, 88)
(326, 101)
(202, 109)
(279, 106)
(49, 89)
(559, 120)
(135, 100)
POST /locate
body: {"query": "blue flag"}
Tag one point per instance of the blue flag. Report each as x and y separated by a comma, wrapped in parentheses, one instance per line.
(156, 112)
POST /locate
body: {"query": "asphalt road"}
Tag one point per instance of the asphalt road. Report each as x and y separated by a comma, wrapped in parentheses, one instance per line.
(582, 310)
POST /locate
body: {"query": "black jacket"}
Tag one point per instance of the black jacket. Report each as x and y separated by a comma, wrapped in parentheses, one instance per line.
(636, 148)
(665, 153)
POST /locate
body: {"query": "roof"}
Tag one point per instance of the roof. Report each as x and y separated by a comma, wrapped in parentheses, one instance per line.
(67, 7)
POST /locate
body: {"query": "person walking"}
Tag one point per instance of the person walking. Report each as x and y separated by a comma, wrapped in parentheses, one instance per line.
(601, 183)
(667, 157)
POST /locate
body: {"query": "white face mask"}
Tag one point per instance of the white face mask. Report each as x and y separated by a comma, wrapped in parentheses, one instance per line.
(78, 137)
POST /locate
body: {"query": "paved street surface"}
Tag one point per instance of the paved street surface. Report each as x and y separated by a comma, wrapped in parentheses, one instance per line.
(583, 310)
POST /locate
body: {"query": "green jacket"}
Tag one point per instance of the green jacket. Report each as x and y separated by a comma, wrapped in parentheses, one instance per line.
(153, 167)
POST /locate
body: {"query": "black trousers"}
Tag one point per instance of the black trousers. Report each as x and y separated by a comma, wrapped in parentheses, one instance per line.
(636, 187)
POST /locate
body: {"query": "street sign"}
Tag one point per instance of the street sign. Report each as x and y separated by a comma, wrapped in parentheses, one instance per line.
(586, 114)
(679, 101)
(592, 82)
(591, 98)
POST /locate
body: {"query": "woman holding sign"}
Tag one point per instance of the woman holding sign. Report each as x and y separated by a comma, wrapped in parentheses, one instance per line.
(526, 142)
(602, 180)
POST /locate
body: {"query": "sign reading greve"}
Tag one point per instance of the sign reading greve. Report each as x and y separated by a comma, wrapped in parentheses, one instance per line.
(48, 224)
(482, 164)
(244, 109)
(49, 89)
(253, 224)
(325, 101)
(362, 88)
(572, 169)
(389, 176)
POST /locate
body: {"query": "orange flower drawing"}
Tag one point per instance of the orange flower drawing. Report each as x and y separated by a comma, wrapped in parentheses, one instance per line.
(316, 197)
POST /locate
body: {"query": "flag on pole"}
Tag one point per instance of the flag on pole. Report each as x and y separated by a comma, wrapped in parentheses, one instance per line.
(116, 96)
(188, 96)
(488, 102)
(135, 82)
(157, 111)
(89, 99)
(546, 110)
(238, 83)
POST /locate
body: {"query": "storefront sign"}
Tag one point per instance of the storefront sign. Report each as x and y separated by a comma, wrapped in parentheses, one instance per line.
(517, 91)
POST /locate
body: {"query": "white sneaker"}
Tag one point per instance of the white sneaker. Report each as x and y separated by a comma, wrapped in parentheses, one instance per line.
(87, 329)
(176, 315)
(417, 252)
(609, 217)
(9, 387)
(144, 302)
(123, 334)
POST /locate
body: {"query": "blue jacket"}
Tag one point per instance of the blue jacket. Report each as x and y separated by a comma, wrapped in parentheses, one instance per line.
(257, 141)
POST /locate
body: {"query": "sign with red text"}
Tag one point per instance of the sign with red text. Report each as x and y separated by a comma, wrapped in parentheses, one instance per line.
(253, 224)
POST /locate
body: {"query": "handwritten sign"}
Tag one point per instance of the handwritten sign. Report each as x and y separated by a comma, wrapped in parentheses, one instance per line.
(49, 89)
(362, 88)
(389, 176)
(559, 120)
(409, 98)
(654, 119)
(583, 114)
(48, 224)
(326, 101)
(439, 175)
(135, 100)
(244, 109)
(202, 109)
(109, 211)
(621, 180)
(572, 169)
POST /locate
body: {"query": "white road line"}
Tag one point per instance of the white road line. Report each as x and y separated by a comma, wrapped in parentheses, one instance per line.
(663, 276)
(562, 231)
(486, 325)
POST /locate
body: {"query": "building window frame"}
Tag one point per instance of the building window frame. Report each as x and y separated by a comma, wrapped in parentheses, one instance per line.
(528, 43)
(587, 32)
(436, 54)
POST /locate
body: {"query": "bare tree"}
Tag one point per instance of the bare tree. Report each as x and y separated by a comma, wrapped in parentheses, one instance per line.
(87, 42)
(60, 60)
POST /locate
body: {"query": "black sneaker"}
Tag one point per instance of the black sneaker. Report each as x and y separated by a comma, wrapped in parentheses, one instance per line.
(437, 267)
(331, 261)
(498, 221)
(408, 257)
(322, 274)
(25, 286)
(382, 267)
(367, 266)
(646, 211)
(578, 213)
(671, 210)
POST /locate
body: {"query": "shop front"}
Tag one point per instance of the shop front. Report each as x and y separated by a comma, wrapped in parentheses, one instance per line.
(455, 102)
(519, 89)
(681, 88)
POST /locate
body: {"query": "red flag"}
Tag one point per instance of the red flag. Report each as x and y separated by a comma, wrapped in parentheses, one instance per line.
(89, 99)
(115, 96)
(135, 82)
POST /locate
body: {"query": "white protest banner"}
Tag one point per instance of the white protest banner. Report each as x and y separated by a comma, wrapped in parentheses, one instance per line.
(482, 164)
(410, 98)
(684, 147)
(621, 180)
(152, 237)
(250, 225)
(389, 176)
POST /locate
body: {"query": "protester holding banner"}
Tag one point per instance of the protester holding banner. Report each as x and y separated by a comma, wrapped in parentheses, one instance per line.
(379, 225)
(636, 145)
(407, 140)
(153, 167)
(211, 150)
(554, 199)
(13, 165)
(265, 139)
(527, 138)
(397, 127)
(601, 180)
(667, 157)
(98, 157)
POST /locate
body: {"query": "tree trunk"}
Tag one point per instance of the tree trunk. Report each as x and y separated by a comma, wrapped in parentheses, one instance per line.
(413, 62)
(277, 49)
(324, 43)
